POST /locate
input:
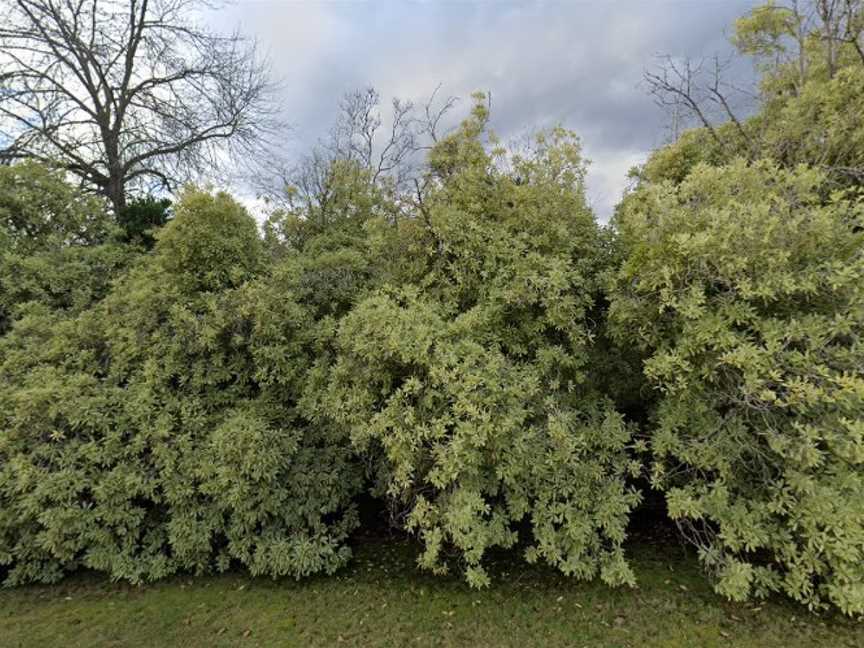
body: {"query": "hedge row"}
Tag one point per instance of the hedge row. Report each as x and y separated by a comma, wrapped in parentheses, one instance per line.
(468, 357)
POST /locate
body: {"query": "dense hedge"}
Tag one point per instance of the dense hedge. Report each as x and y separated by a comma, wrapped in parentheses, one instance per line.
(744, 285)
(157, 431)
(470, 379)
(485, 359)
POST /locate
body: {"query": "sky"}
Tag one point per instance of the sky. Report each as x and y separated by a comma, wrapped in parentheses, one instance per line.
(574, 63)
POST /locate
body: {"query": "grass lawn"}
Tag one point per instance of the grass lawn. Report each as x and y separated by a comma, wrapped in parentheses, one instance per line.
(382, 600)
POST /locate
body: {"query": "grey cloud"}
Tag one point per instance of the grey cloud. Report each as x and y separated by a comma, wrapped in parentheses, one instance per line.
(577, 63)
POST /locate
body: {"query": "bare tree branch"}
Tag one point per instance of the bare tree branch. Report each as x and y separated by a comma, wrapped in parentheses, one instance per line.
(717, 94)
(383, 144)
(119, 91)
(675, 85)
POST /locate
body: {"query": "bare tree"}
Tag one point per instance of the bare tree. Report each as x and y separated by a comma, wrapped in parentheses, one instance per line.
(720, 92)
(127, 93)
(834, 22)
(698, 89)
(358, 136)
(385, 145)
(673, 86)
(433, 114)
(800, 25)
(841, 22)
(828, 11)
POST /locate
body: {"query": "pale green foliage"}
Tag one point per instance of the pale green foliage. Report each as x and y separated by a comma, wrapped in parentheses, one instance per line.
(157, 431)
(56, 244)
(69, 278)
(740, 285)
(39, 209)
(212, 243)
(226, 397)
(675, 161)
(812, 100)
(822, 127)
(800, 41)
(345, 198)
(745, 286)
(469, 378)
(766, 30)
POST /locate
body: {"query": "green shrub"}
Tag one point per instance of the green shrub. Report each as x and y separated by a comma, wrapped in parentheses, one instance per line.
(57, 244)
(745, 287)
(467, 385)
(158, 431)
(66, 279)
(142, 217)
(211, 396)
(822, 125)
(40, 209)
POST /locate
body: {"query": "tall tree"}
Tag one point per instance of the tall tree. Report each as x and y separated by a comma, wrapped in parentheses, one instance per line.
(127, 93)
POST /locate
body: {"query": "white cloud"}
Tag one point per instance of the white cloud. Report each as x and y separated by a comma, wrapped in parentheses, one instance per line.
(607, 178)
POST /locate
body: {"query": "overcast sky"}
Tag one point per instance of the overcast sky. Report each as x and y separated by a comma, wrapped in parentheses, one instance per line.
(578, 63)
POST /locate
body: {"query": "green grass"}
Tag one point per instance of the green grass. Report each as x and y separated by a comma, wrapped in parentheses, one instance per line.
(382, 600)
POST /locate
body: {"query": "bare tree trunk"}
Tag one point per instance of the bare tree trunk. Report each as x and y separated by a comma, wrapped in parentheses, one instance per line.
(116, 192)
(801, 41)
(829, 26)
